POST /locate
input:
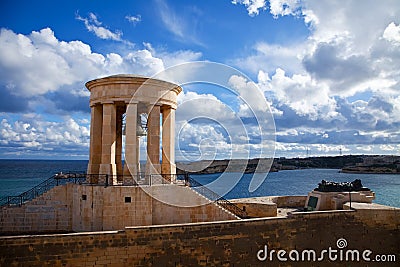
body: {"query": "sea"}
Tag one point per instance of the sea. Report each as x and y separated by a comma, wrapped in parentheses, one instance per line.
(18, 176)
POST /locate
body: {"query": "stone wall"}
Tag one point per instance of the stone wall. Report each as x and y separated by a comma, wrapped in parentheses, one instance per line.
(77, 208)
(289, 201)
(257, 207)
(229, 243)
(50, 212)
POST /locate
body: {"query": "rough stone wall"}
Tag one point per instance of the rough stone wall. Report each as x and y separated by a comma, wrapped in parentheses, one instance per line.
(229, 243)
(289, 201)
(98, 208)
(258, 210)
(80, 208)
(48, 212)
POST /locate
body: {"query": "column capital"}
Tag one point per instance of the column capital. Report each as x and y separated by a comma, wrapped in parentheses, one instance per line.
(131, 102)
(107, 102)
(168, 107)
(151, 107)
(94, 103)
(154, 104)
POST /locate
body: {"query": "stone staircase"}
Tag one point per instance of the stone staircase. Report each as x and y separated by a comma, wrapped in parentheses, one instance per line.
(215, 204)
(218, 200)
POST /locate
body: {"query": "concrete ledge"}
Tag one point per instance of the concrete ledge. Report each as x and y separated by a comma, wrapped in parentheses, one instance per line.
(318, 213)
(368, 206)
(269, 206)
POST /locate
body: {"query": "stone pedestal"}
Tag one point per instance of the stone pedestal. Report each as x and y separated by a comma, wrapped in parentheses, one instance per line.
(317, 200)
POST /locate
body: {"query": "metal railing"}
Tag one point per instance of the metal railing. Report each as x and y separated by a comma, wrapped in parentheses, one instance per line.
(141, 179)
(43, 187)
(211, 195)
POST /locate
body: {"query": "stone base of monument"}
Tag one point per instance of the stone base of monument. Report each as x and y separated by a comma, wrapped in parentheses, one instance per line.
(317, 200)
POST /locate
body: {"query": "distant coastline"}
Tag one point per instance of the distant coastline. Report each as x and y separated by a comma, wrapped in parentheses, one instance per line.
(370, 170)
(362, 164)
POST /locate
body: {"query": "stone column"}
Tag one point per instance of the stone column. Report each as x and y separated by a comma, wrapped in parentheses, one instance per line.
(109, 140)
(153, 141)
(118, 156)
(130, 167)
(96, 124)
(138, 153)
(168, 143)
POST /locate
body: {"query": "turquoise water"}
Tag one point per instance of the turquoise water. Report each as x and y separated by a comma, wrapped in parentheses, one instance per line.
(18, 176)
(300, 182)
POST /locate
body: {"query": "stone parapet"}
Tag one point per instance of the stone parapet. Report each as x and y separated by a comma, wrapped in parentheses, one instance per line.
(212, 244)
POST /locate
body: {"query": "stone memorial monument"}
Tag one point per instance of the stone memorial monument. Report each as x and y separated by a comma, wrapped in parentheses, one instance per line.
(133, 97)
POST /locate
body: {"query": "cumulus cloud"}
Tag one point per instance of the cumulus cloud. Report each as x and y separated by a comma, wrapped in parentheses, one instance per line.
(269, 57)
(203, 132)
(284, 7)
(314, 85)
(300, 92)
(216, 128)
(39, 64)
(249, 92)
(252, 6)
(31, 136)
(279, 8)
(143, 60)
(392, 33)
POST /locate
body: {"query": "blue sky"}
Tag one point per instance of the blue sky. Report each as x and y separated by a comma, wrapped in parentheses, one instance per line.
(329, 71)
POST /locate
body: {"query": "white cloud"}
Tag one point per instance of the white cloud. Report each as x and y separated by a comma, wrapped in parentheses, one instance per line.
(133, 19)
(38, 63)
(363, 23)
(29, 64)
(171, 20)
(207, 106)
(352, 51)
(300, 92)
(252, 6)
(269, 57)
(35, 135)
(181, 24)
(392, 33)
(201, 131)
(173, 58)
(214, 127)
(283, 7)
(369, 148)
(142, 61)
(279, 8)
(300, 150)
(92, 24)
